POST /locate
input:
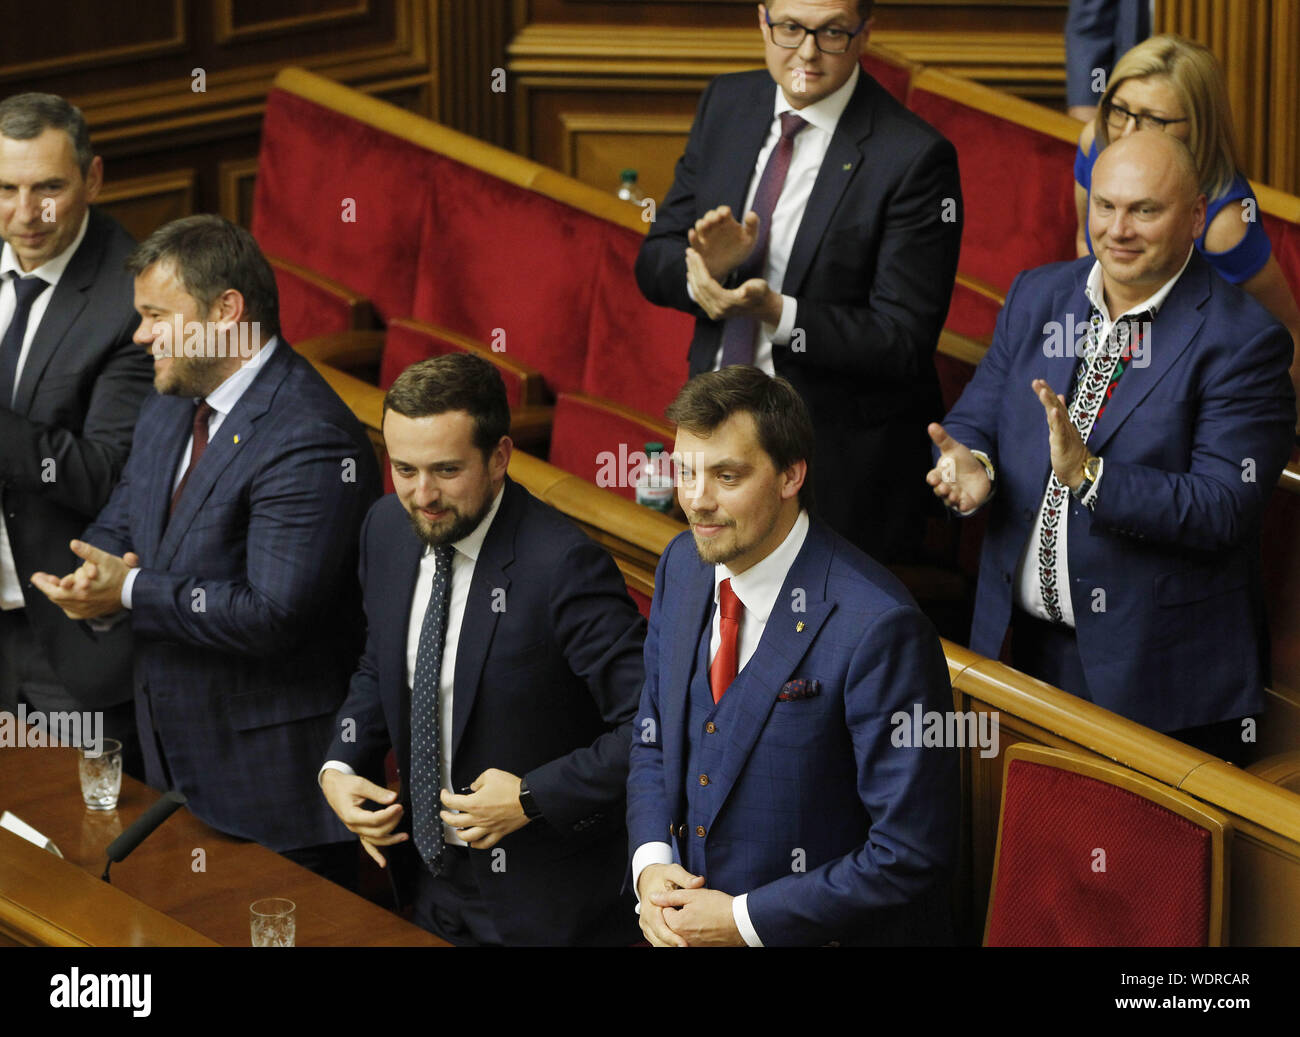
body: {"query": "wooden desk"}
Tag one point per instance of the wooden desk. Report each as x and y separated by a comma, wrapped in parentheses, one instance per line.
(42, 787)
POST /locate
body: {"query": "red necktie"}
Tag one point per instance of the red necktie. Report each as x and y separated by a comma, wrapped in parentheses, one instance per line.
(201, 415)
(723, 669)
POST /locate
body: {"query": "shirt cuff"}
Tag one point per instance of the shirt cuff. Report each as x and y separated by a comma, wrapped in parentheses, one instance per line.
(785, 327)
(691, 292)
(333, 765)
(740, 915)
(127, 585)
(646, 855)
(983, 459)
(1090, 498)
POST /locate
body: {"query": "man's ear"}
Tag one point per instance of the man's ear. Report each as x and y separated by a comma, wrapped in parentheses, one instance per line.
(793, 478)
(94, 178)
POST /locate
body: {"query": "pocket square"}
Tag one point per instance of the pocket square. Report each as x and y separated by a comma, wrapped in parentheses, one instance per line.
(803, 688)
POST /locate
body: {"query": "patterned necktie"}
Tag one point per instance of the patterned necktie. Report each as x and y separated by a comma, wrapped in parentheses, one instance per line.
(426, 733)
(1094, 383)
(739, 332)
(722, 671)
(26, 289)
(201, 414)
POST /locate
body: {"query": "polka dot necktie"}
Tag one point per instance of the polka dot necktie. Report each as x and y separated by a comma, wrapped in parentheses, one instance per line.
(426, 735)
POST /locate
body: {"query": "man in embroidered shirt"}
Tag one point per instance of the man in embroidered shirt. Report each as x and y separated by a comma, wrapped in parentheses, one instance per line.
(1123, 538)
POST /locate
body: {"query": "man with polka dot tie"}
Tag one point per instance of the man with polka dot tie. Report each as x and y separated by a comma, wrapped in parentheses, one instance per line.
(502, 666)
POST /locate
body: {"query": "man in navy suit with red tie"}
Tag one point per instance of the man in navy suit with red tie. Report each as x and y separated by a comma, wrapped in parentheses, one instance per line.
(777, 795)
(229, 546)
(812, 229)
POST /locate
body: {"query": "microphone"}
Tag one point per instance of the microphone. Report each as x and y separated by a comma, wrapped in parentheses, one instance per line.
(121, 847)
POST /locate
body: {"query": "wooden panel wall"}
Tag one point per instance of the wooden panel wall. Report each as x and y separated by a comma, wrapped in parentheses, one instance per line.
(1258, 44)
(600, 85)
(174, 90)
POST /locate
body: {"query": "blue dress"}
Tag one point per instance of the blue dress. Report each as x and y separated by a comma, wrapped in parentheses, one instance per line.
(1241, 262)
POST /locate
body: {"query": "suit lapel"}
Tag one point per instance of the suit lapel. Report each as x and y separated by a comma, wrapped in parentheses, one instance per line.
(482, 612)
(1180, 319)
(402, 578)
(679, 645)
(786, 640)
(844, 159)
(224, 447)
(65, 307)
(176, 418)
(749, 129)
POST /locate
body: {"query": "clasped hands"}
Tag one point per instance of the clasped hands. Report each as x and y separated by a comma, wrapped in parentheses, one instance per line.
(486, 815)
(677, 911)
(962, 483)
(718, 244)
(94, 588)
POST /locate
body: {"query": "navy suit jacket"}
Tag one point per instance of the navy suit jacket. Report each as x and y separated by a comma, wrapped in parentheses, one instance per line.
(1164, 572)
(246, 610)
(871, 269)
(548, 668)
(877, 821)
(76, 404)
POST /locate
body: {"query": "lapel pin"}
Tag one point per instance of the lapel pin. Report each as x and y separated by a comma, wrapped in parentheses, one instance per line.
(848, 166)
(236, 438)
(798, 627)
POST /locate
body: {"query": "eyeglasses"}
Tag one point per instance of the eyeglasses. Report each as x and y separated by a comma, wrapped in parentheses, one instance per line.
(1117, 117)
(791, 35)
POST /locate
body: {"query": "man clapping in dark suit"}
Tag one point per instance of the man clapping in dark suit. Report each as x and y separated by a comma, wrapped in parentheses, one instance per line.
(502, 664)
(71, 385)
(230, 544)
(812, 230)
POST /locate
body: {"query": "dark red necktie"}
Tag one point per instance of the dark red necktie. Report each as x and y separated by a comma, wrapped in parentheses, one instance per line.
(201, 414)
(723, 669)
(739, 332)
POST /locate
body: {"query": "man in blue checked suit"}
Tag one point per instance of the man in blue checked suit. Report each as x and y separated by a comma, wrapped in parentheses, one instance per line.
(230, 547)
(775, 796)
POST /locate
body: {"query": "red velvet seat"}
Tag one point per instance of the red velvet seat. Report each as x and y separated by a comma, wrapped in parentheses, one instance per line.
(636, 351)
(1094, 854)
(312, 305)
(1012, 222)
(894, 74)
(407, 342)
(596, 440)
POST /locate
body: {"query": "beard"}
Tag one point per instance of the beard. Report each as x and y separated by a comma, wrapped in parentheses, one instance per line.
(456, 527)
(714, 552)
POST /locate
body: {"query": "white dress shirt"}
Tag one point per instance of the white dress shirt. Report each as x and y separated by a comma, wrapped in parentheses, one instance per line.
(757, 588)
(1028, 586)
(462, 574)
(222, 400)
(810, 147)
(11, 591)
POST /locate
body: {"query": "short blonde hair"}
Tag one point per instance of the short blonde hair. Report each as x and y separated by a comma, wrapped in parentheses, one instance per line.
(1194, 75)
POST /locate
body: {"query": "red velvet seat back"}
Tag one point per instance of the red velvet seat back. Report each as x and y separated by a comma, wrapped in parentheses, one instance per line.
(1056, 825)
(1286, 247)
(308, 309)
(894, 78)
(594, 441)
(315, 168)
(636, 351)
(405, 345)
(503, 264)
(1017, 186)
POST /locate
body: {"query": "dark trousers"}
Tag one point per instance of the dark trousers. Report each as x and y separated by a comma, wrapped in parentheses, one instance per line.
(334, 861)
(26, 676)
(451, 905)
(1050, 652)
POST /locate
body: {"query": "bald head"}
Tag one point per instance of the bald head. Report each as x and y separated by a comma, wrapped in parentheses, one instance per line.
(1145, 211)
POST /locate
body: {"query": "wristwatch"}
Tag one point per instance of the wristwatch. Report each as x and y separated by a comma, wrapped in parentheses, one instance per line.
(1091, 470)
(531, 810)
